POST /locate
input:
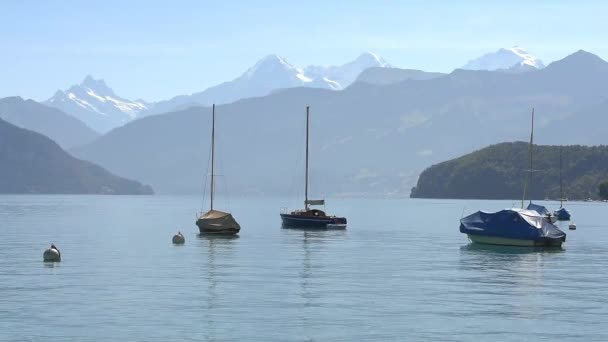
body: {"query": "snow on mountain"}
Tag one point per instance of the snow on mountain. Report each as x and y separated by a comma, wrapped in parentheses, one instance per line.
(270, 74)
(96, 104)
(273, 73)
(514, 58)
(342, 76)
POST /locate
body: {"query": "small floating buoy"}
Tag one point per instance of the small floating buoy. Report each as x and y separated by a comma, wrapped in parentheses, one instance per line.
(572, 226)
(178, 238)
(52, 254)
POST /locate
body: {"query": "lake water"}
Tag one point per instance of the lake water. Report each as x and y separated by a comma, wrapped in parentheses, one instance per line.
(401, 271)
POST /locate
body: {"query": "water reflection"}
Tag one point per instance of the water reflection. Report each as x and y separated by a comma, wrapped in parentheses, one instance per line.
(498, 271)
(315, 246)
(219, 250)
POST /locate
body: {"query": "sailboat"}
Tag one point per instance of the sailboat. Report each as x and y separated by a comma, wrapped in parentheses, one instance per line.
(542, 210)
(309, 217)
(215, 221)
(514, 227)
(562, 213)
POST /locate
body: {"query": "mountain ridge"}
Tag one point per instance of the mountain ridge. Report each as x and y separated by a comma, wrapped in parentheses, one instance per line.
(33, 163)
(66, 130)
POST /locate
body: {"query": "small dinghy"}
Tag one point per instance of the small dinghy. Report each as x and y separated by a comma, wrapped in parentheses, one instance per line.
(562, 214)
(511, 227)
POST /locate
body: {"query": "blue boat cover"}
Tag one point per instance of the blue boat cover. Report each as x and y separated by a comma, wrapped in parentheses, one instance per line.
(562, 214)
(539, 209)
(512, 224)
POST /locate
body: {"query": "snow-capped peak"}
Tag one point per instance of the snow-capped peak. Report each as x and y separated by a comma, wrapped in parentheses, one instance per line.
(527, 59)
(96, 104)
(371, 59)
(506, 58)
(272, 64)
(345, 74)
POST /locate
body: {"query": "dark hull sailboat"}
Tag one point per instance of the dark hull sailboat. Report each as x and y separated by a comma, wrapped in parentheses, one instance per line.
(309, 218)
(215, 221)
(312, 218)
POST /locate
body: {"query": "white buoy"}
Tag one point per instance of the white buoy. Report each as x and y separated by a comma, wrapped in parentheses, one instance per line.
(572, 226)
(52, 254)
(179, 239)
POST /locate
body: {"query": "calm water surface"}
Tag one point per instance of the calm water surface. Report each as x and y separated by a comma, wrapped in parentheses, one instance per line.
(401, 271)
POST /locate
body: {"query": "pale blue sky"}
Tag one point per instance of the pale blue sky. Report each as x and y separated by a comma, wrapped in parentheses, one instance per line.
(156, 50)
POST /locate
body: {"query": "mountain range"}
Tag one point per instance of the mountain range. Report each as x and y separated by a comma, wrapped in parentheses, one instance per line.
(32, 163)
(273, 73)
(96, 104)
(370, 138)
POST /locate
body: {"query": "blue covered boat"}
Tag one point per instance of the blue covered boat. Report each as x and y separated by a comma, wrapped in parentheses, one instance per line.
(511, 227)
(543, 211)
(539, 209)
(562, 214)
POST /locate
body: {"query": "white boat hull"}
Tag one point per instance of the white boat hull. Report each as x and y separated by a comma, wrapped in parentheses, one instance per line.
(492, 240)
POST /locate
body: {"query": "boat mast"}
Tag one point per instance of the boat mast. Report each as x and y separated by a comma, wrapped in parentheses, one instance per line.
(306, 181)
(561, 192)
(529, 174)
(212, 152)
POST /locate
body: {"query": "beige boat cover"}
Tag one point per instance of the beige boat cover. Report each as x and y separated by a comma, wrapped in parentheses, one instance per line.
(219, 219)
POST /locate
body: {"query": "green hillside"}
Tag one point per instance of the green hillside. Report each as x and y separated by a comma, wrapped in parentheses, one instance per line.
(498, 171)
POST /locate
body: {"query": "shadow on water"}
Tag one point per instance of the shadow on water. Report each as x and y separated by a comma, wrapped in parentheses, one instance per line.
(217, 237)
(313, 229)
(477, 248)
(51, 264)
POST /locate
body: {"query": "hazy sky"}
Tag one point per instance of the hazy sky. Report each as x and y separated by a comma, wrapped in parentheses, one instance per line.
(156, 50)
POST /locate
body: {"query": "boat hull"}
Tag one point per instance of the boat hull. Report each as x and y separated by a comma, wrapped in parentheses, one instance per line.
(206, 227)
(500, 241)
(218, 222)
(298, 221)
